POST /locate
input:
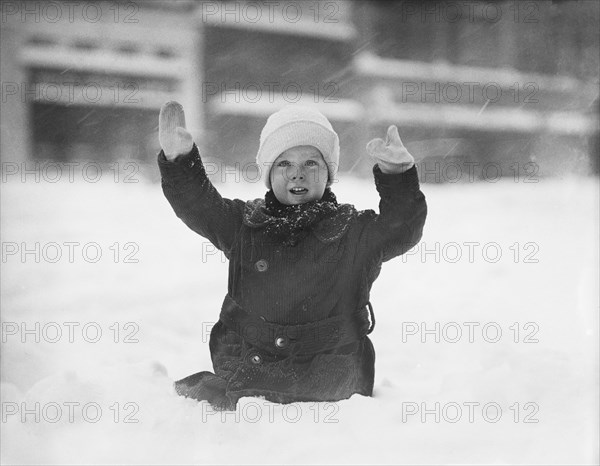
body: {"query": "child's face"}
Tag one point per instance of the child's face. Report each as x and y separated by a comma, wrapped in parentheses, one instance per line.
(299, 167)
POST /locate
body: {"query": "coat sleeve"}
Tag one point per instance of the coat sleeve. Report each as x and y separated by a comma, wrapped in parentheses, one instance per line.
(402, 212)
(197, 202)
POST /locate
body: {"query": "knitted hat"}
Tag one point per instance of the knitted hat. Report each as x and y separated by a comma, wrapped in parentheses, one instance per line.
(297, 125)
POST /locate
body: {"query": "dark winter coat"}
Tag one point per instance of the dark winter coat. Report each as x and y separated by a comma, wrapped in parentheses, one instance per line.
(293, 324)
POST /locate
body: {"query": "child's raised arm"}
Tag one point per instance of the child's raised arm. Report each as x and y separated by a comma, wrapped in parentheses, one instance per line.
(402, 205)
(187, 187)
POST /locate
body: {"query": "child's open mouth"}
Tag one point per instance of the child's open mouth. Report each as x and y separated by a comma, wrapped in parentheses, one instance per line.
(298, 190)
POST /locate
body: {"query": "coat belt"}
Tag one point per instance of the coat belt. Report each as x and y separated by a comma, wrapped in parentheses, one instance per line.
(302, 339)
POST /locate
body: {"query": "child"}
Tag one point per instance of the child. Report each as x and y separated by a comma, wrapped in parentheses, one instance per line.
(294, 323)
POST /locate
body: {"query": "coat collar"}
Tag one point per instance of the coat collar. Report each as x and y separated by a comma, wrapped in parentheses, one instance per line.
(327, 230)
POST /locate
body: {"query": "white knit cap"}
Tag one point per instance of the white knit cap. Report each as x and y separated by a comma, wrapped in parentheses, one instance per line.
(297, 125)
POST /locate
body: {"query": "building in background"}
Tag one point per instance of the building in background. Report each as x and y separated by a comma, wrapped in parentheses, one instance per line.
(85, 80)
(507, 83)
(468, 83)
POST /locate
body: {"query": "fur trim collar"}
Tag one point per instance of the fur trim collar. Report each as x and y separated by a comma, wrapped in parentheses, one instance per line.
(328, 229)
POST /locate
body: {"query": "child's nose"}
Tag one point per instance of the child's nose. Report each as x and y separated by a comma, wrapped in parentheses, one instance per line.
(298, 174)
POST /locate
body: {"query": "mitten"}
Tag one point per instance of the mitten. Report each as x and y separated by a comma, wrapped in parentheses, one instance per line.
(390, 155)
(174, 139)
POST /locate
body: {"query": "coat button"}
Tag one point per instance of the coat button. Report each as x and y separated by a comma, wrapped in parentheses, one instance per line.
(256, 359)
(281, 342)
(261, 265)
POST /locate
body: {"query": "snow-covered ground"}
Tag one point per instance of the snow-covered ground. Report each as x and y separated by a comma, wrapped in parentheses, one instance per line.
(529, 401)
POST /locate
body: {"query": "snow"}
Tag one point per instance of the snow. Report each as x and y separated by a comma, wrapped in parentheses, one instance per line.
(168, 300)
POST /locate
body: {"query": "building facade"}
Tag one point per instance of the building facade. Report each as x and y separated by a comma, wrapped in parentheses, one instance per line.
(509, 83)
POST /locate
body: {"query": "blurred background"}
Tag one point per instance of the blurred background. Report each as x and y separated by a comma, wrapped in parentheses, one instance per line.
(497, 101)
(466, 82)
